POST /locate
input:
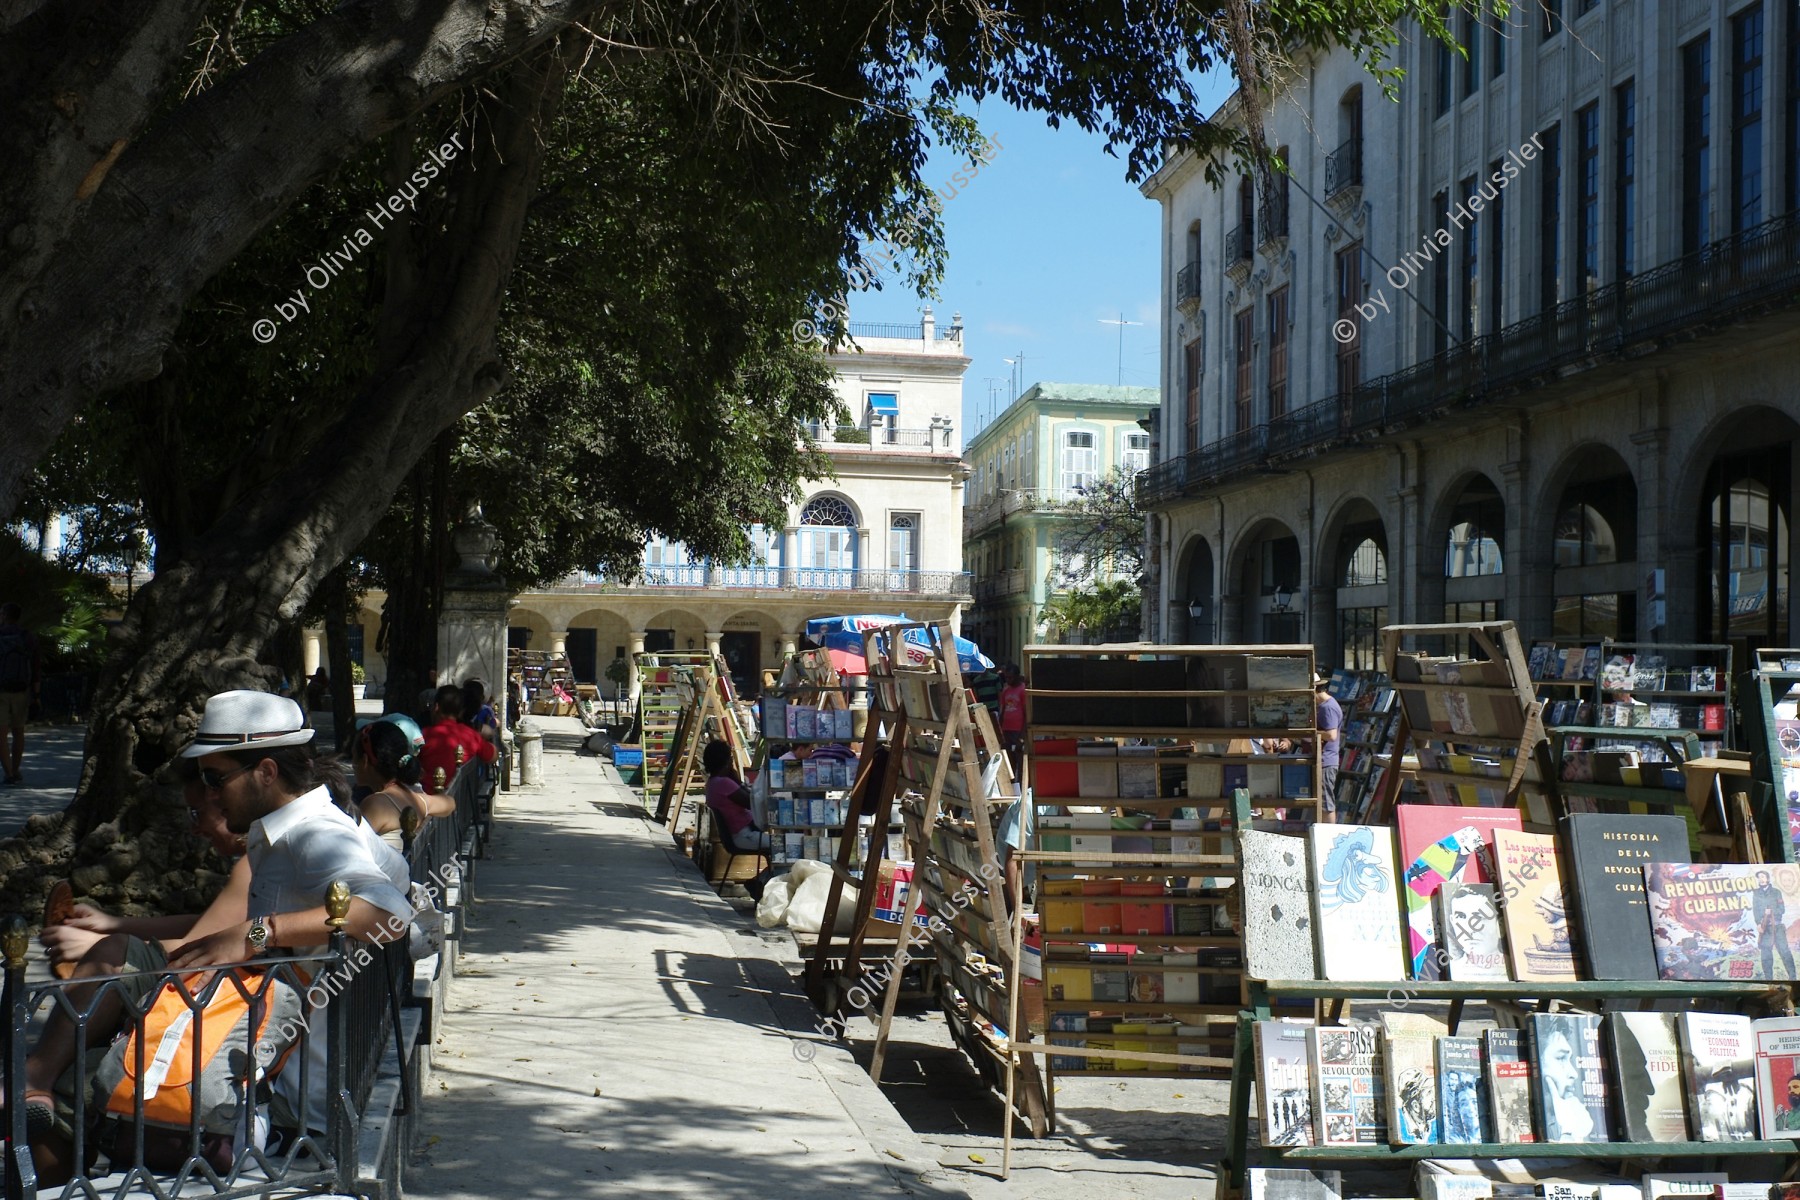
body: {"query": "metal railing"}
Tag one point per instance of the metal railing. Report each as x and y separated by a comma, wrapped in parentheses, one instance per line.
(1757, 270)
(1343, 168)
(878, 329)
(698, 576)
(1239, 244)
(1013, 500)
(1187, 284)
(1272, 213)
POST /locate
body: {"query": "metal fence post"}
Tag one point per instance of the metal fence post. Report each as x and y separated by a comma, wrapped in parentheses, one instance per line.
(340, 1131)
(20, 1173)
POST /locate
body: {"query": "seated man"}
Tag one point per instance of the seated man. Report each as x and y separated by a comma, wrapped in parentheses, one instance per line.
(256, 765)
(449, 743)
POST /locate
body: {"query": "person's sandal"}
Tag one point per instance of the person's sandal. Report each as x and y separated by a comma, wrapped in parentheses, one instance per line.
(57, 909)
(40, 1115)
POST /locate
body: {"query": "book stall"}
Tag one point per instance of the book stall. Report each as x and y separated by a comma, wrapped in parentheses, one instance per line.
(1371, 709)
(1770, 796)
(668, 684)
(1563, 673)
(1598, 1009)
(709, 712)
(950, 814)
(549, 684)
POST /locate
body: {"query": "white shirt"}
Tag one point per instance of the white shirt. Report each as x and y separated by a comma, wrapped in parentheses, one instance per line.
(296, 853)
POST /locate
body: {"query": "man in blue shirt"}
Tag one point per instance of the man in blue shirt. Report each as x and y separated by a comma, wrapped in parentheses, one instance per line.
(1331, 732)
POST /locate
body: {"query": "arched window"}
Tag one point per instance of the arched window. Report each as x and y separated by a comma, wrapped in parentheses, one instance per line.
(1365, 564)
(1477, 527)
(1584, 538)
(827, 543)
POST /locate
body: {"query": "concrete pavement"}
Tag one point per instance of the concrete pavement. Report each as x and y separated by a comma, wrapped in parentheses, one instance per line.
(51, 768)
(617, 1029)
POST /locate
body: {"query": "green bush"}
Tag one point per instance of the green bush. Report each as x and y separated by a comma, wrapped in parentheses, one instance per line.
(851, 434)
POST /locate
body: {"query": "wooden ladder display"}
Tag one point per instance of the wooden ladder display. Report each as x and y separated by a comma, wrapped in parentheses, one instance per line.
(872, 796)
(705, 716)
(1486, 706)
(950, 832)
(1768, 799)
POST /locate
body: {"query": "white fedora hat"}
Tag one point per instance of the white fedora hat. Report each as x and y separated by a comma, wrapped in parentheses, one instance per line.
(245, 720)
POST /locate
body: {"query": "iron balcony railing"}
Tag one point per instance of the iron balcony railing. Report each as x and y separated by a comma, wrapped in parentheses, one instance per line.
(1343, 169)
(1239, 244)
(877, 329)
(1187, 284)
(709, 577)
(1755, 271)
(1272, 214)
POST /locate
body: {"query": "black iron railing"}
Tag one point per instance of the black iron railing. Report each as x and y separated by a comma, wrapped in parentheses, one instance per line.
(1187, 284)
(1272, 213)
(1343, 169)
(1240, 244)
(1755, 271)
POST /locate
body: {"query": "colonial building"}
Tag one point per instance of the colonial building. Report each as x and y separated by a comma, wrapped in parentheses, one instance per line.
(1520, 344)
(1024, 469)
(879, 538)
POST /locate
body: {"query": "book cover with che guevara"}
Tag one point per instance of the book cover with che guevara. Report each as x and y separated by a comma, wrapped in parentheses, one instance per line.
(1724, 920)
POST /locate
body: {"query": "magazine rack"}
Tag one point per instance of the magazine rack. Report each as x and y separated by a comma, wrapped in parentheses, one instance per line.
(1371, 711)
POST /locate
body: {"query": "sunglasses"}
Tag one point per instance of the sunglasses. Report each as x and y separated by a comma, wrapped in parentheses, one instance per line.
(213, 780)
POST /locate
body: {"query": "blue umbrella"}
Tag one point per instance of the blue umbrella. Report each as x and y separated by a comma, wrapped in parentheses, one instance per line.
(844, 635)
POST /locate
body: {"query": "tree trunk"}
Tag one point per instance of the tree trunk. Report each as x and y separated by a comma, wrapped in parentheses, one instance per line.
(123, 210)
(205, 623)
(337, 651)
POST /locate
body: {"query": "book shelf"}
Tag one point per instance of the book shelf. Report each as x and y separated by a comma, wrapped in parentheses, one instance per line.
(951, 835)
(1475, 724)
(1685, 686)
(1591, 764)
(1770, 693)
(706, 714)
(666, 686)
(1588, 995)
(1562, 675)
(808, 796)
(1371, 710)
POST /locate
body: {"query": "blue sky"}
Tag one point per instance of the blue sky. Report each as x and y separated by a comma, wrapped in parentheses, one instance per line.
(1045, 242)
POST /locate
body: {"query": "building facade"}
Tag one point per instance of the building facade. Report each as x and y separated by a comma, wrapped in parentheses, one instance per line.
(1025, 467)
(879, 538)
(1520, 344)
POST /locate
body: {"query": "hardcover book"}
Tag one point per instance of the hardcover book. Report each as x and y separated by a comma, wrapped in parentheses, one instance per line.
(1284, 1082)
(1440, 842)
(1538, 938)
(1724, 920)
(1278, 907)
(1776, 1042)
(1409, 1066)
(1462, 1092)
(1571, 1077)
(1606, 856)
(1356, 902)
(1468, 916)
(1349, 1101)
(1717, 1063)
(1286, 1183)
(1646, 1062)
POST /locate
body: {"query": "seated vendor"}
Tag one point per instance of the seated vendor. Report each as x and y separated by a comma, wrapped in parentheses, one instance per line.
(730, 802)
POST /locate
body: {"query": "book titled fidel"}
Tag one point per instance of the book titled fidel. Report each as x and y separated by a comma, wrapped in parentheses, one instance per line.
(1646, 1060)
(1606, 857)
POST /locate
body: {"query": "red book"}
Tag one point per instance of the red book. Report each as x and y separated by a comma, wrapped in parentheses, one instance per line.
(1712, 717)
(1424, 825)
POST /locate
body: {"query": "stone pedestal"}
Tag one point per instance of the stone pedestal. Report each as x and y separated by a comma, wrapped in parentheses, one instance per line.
(472, 619)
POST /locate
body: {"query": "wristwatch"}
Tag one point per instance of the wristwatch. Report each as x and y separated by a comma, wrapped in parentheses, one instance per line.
(258, 937)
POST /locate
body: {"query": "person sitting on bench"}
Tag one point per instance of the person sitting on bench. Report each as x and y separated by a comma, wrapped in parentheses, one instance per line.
(730, 802)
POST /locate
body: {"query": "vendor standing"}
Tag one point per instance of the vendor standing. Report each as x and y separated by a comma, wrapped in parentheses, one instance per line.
(1331, 732)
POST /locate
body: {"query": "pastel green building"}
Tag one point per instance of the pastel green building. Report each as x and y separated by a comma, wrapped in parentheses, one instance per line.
(1028, 463)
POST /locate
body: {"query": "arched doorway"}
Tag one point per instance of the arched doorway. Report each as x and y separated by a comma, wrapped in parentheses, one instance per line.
(1198, 600)
(1593, 552)
(1269, 579)
(1360, 577)
(1746, 509)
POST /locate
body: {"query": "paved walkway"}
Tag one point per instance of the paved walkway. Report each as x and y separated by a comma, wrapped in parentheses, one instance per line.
(51, 768)
(617, 1029)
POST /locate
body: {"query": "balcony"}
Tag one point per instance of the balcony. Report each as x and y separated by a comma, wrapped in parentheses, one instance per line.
(1187, 288)
(882, 440)
(711, 578)
(1343, 169)
(1744, 277)
(1001, 585)
(1015, 500)
(1239, 246)
(1272, 215)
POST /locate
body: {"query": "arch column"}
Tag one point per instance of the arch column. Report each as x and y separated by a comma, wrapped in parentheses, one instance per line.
(790, 642)
(790, 555)
(713, 637)
(559, 641)
(314, 651)
(1656, 544)
(634, 649)
(1231, 619)
(863, 565)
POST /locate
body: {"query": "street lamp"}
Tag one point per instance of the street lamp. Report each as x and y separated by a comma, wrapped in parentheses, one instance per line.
(1281, 598)
(1196, 611)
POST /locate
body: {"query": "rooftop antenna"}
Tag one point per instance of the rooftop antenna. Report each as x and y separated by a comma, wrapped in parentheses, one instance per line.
(1121, 323)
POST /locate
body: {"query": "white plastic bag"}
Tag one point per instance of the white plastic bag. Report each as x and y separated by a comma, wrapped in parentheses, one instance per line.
(806, 910)
(771, 910)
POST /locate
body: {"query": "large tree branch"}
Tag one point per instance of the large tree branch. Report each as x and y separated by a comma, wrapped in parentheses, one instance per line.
(202, 181)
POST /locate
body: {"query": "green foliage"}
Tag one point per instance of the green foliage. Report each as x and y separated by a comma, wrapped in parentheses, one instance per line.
(357, 674)
(1103, 532)
(850, 435)
(1108, 611)
(618, 672)
(77, 642)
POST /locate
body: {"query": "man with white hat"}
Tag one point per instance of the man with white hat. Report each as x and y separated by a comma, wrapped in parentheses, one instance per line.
(254, 757)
